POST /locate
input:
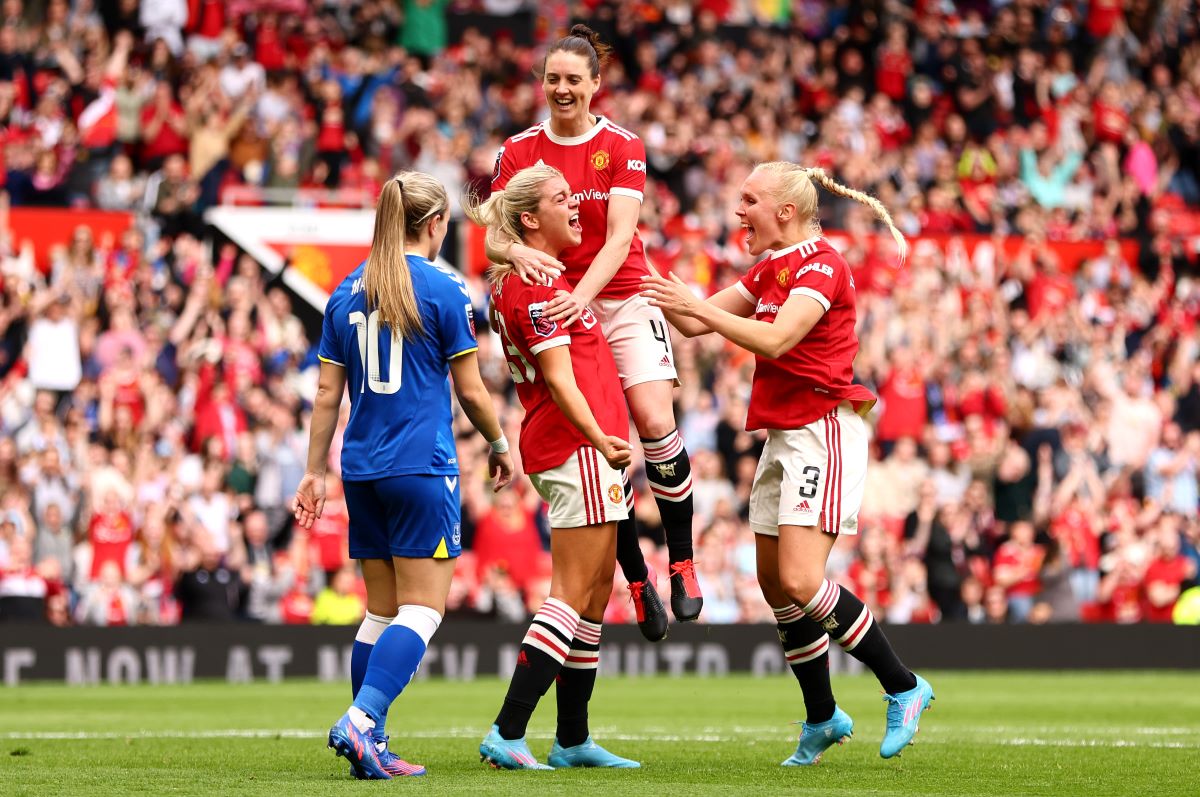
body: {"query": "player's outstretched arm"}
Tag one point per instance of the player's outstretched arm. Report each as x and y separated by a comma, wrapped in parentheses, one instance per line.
(555, 365)
(623, 213)
(797, 316)
(730, 300)
(477, 404)
(310, 494)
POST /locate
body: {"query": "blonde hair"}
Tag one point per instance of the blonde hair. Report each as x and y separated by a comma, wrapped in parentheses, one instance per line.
(501, 212)
(406, 203)
(797, 184)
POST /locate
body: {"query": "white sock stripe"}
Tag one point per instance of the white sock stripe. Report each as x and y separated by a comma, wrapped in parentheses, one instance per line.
(558, 626)
(664, 449)
(788, 614)
(816, 608)
(582, 660)
(549, 648)
(371, 628)
(422, 620)
(671, 493)
(813, 651)
(588, 632)
(857, 630)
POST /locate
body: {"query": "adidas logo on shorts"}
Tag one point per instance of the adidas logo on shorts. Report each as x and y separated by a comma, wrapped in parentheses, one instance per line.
(802, 507)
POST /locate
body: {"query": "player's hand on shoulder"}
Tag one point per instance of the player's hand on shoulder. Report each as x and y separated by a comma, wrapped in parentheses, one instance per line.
(501, 469)
(565, 307)
(534, 266)
(616, 452)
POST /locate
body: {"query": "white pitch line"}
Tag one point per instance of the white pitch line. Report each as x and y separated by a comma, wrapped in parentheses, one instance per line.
(474, 733)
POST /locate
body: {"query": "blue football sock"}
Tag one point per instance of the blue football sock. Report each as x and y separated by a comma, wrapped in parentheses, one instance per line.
(373, 626)
(394, 660)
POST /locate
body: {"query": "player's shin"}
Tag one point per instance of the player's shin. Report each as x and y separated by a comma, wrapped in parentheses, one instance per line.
(393, 662)
(806, 648)
(575, 683)
(542, 653)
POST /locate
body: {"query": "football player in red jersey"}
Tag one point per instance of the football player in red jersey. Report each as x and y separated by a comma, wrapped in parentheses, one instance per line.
(605, 165)
(573, 447)
(795, 311)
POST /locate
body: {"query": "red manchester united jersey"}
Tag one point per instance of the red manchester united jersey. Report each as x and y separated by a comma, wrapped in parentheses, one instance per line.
(817, 374)
(548, 438)
(605, 161)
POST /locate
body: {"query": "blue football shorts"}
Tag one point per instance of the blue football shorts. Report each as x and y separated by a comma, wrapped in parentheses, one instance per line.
(415, 516)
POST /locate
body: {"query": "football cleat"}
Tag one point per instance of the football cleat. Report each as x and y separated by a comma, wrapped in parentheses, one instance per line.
(903, 715)
(648, 607)
(395, 766)
(358, 748)
(503, 753)
(817, 737)
(686, 600)
(588, 754)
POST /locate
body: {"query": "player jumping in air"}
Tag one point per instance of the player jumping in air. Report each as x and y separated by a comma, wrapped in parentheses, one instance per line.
(795, 310)
(573, 447)
(393, 330)
(605, 165)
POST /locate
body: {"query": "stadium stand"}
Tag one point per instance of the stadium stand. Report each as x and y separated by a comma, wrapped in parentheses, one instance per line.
(1037, 444)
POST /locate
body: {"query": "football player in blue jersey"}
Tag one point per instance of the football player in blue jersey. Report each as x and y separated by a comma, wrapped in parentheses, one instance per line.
(394, 329)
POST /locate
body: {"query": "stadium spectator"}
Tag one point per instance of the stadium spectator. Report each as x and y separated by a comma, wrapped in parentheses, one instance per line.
(980, 359)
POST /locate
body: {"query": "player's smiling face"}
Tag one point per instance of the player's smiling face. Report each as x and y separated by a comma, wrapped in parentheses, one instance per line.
(557, 219)
(758, 212)
(569, 86)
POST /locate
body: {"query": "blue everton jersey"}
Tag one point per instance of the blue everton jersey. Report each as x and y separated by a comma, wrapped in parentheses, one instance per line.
(400, 420)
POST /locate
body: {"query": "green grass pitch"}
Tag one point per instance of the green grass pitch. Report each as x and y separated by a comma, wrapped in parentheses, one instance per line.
(990, 734)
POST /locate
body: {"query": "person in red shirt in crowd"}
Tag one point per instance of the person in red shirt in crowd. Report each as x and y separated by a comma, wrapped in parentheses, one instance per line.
(1015, 568)
(221, 417)
(905, 408)
(506, 536)
(893, 63)
(573, 448)
(110, 532)
(870, 573)
(329, 536)
(1110, 119)
(1166, 573)
(1049, 291)
(164, 128)
(795, 310)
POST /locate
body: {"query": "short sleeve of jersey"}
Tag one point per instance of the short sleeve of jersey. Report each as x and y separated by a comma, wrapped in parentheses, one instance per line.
(455, 318)
(629, 170)
(505, 168)
(818, 277)
(330, 350)
(530, 324)
(749, 285)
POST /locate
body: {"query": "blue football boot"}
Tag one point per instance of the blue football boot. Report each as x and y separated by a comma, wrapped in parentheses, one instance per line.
(903, 715)
(396, 766)
(817, 737)
(358, 748)
(587, 754)
(504, 753)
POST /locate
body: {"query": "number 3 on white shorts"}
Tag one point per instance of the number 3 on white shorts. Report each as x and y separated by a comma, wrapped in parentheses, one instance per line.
(808, 488)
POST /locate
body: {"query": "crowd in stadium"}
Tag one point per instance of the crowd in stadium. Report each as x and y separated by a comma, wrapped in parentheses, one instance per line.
(1037, 443)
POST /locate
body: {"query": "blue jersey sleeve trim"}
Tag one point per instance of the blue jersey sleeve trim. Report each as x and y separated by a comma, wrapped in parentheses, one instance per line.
(464, 351)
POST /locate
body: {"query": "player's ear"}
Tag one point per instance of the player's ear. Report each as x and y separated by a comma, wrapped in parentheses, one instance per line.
(786, 212)
(529, 221)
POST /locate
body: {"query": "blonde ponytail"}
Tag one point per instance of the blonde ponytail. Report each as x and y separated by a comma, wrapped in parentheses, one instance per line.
(797, 184)
(406, 202)
(501, 212)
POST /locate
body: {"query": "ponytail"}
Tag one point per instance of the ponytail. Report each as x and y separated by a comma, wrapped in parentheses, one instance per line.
(501, 212)
(797, 184)
(405, 203)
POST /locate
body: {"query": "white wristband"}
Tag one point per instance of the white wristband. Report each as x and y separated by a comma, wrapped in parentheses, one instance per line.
(499, 446)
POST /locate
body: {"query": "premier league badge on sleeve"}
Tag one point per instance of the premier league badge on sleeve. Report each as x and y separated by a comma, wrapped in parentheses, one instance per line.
(541, 325)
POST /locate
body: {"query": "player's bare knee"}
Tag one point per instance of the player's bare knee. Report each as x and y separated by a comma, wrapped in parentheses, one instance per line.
(801, 587)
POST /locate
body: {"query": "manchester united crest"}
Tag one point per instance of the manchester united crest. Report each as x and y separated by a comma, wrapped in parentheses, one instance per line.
(600, 160)
(782, 277)
(614, 493)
